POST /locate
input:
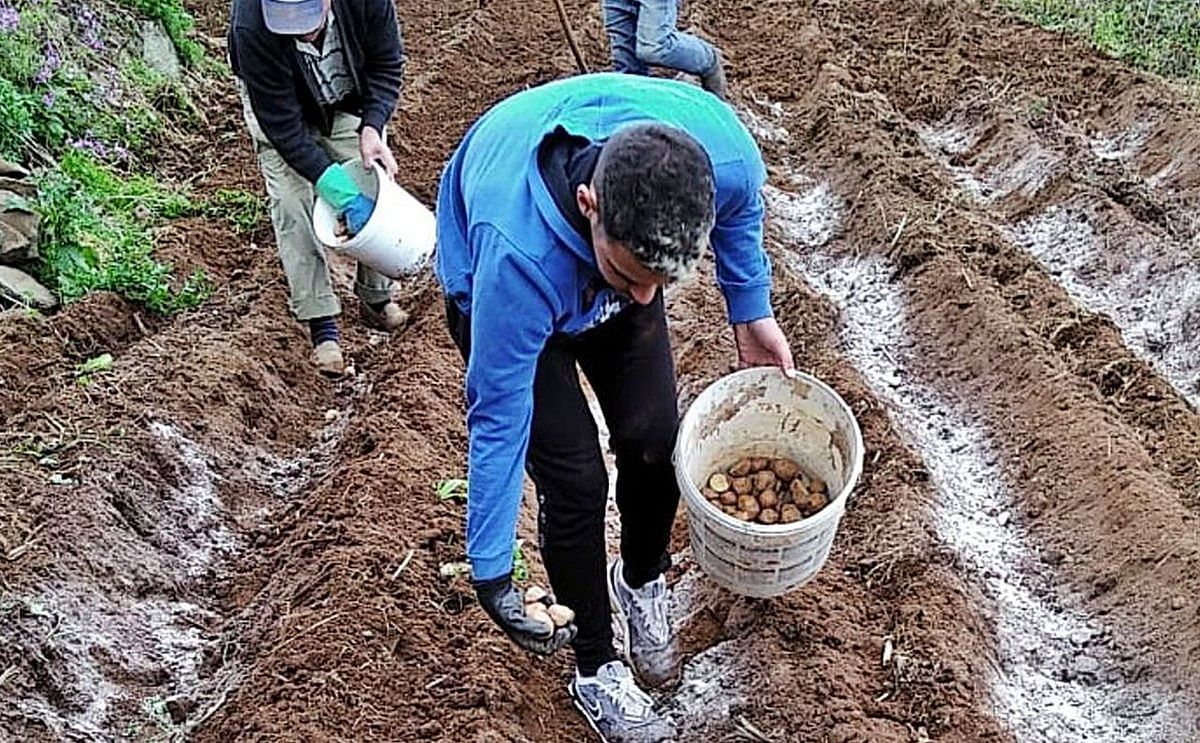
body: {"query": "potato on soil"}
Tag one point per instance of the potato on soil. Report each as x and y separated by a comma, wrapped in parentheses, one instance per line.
(768, 499)
(729, 498)
(718, 482)
(785, 469)
(764, 480)
(768, 516)
(741, 468)
(742, 485)
(790, 514)
(560, 615)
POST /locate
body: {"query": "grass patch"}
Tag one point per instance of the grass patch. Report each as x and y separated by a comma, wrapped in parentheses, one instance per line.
(1162, 36)
(96, 236)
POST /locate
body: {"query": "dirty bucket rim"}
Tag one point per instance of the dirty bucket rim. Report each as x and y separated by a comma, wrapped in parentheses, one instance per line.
(832, 512)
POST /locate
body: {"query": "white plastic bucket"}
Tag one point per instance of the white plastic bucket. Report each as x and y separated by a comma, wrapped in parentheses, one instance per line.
(761, 412)
(398, 239)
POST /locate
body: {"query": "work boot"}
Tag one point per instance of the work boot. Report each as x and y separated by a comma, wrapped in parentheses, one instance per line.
(388, 317)
(616, 708)
(642, 616)
(714, 80)
(327, 357)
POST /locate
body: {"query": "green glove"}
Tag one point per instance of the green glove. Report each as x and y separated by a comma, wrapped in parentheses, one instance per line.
(337, 187)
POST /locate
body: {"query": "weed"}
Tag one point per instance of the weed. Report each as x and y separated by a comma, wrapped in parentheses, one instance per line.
(93, 366)
(453, 489)
(244, 210)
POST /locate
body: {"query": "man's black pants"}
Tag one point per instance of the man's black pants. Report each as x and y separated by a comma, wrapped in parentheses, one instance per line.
(628, 363)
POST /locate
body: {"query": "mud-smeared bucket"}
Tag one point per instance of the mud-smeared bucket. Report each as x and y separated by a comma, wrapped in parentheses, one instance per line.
(397, 240)
(761, 412)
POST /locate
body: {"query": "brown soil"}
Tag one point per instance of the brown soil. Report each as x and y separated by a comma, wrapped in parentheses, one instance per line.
(212, 524)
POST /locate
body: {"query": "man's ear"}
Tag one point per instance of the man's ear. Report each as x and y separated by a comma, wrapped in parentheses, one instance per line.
(589, 204)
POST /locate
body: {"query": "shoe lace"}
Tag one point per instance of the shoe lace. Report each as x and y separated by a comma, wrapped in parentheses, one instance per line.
(633, 703)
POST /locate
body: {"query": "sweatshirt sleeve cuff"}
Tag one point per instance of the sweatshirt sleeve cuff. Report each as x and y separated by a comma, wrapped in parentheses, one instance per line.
(748, 303)
(487, 568)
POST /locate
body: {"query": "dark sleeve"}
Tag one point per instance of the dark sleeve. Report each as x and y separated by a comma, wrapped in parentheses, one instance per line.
(270, 86)
(384, 52)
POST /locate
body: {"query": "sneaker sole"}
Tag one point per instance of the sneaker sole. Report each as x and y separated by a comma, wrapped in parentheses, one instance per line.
(620, 618)
(583, 712)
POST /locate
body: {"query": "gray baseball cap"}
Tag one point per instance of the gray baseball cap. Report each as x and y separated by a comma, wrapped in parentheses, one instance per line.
(293, 17)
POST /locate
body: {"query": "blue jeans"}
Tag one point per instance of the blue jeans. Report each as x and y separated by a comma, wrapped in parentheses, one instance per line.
(643, 33)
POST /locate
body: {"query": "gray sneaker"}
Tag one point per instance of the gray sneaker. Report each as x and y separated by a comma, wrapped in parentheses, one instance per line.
(643, 621)
(616, 708)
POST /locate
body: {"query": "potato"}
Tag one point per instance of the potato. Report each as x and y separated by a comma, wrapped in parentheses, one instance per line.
(730, 510)
(729, 498)
(817, 486)
(749, 504)
(742, 485)
(743, 516)
(741, 468)
(764, 480)
(810, 503)
(560, 615)
(789, 514)
(785, 469)
(540, 613)
(757, 464)
(710, 494)
(768, 516)
(718, 482)
(798, 490)
(534, 594)
(768, 499)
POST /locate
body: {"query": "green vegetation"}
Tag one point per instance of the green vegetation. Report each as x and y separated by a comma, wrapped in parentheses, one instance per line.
(96, 235)
(78, 102)
(1162, 36)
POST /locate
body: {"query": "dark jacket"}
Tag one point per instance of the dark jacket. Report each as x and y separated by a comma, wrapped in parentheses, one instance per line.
(283, 94)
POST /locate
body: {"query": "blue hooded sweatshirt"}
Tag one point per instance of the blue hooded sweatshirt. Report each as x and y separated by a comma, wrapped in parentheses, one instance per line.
(516, 267)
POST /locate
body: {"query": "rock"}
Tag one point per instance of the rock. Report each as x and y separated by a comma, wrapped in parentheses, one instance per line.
(158, 50)
(12, 170)
(179, 708)
(19, 226)
(20, 287)
(1179, 603)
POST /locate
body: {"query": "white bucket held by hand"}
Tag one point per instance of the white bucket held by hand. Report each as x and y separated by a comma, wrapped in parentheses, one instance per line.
(398, 239)
(761, 412)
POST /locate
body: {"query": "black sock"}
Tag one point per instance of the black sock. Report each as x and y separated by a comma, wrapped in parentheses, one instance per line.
(323, 329)
(587, 667)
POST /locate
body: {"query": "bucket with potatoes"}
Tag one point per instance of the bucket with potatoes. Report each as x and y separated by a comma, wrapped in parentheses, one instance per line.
(766, 463)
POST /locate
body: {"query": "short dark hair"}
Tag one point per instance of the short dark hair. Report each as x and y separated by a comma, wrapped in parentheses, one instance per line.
(656, 194)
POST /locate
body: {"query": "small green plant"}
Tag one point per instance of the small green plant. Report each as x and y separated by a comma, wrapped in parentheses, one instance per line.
(520, 570)
(97, 365)
(244, 210)
(453, 489)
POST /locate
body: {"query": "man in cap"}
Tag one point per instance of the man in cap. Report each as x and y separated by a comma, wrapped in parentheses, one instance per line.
(561, 216)
(319, 81)
(644, 33)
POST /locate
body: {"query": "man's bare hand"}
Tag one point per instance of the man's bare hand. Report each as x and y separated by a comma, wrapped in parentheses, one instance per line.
(373, 150)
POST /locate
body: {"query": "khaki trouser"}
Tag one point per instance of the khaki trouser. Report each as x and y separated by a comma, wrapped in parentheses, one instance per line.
(291, 202)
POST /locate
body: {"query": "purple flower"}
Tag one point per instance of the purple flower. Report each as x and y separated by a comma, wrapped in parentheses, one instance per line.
(48, 99)
(9, 19)
(92, 146)
(89, 22)
(51, 61)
